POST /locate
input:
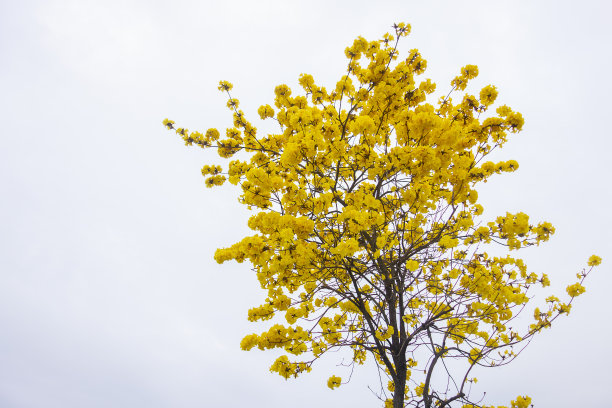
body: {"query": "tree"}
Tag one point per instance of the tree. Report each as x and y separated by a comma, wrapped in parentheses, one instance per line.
(368, 230)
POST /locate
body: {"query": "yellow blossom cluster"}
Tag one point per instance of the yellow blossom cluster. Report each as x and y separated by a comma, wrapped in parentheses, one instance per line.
(334, 382)
(368, 231)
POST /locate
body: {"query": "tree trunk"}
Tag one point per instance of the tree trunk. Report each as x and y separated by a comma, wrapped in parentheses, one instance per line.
(400, 382)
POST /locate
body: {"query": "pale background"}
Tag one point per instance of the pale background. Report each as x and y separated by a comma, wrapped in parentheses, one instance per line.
(109, 296)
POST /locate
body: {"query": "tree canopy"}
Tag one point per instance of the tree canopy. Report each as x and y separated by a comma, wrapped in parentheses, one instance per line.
(368, 232)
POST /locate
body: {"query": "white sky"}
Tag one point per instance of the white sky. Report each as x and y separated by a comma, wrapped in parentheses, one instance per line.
(109, 296)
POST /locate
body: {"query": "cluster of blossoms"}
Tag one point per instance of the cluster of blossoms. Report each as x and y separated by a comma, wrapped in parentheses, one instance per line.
(367, 225)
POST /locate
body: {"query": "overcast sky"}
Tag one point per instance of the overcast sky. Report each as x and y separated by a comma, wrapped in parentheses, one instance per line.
(109, 296)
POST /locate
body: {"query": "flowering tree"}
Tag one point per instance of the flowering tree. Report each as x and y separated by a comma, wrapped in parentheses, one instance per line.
(368, 236)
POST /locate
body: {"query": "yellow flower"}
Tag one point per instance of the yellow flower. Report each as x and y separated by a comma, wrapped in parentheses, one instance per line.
(306, 81)
(225, 86)
(469, 71)
(232, 103)
(168, 123)
(515, 121)
(448, 242)
(488, 94)
(248, 342)
(594, 260)
(412, 265)
(282, 90)
(334, 382)
(385, 334)
(265, 111)
(575, 290)
(521, 402)
(212, 134)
